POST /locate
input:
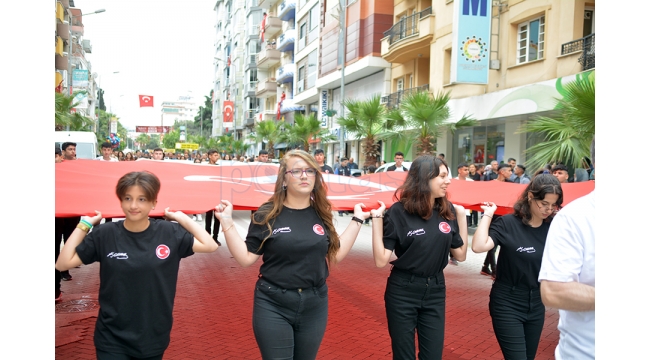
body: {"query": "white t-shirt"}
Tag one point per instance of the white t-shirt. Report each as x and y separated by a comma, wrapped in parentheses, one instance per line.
(570, 255)
(101, 158)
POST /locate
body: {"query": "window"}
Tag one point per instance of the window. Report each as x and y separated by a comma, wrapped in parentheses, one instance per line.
(301, 36)
(314, 17)
(530, 40)
(301, 79)
(312, 69)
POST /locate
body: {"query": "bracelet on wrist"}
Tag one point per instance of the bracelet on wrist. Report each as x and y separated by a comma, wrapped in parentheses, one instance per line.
(224, 230)
(378, 216)
(490, 216)
(354, 218)
(83, 227)
(87, 223)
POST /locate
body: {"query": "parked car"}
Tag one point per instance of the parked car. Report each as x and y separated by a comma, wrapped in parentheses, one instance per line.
(406, 164)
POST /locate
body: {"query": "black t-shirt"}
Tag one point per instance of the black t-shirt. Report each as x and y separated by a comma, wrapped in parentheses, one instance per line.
(421, 246)
(138, 275)
(522, 246)
(475, 177)
(294, 255)
(326, 169)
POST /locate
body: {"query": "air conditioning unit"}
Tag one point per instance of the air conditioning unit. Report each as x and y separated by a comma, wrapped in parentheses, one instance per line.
(495, 64)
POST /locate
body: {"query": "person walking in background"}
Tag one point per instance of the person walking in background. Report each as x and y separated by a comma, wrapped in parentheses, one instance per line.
(107, 153)
(475, 175)
(516, 305)
(139, 258)
(319, 156)
(64, 226)
(421, 227)
(213, 157)
(290, 304)
(520, 175)
(399, 158)
(463, 174)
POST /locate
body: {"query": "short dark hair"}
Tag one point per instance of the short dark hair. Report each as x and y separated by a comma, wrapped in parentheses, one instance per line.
(158, 149)
(319, 151)
(441, 154)
(372, 169)
(503, 166)
(106, 145)
(559, 167)
(263, 152)
(461, 165)
(149, 183)
(344, 159)
(521, 167)
(512, 159)
(65, 145)
(399, 153)
(210, 152)
(57, 150)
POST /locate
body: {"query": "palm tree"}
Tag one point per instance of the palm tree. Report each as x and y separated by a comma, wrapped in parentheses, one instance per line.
(268, 131)
(429, 116)
(143, 140)
(239, 147)
(568, 133)
(64, 115)
(304, 129)
(366, 119)
(225, 143)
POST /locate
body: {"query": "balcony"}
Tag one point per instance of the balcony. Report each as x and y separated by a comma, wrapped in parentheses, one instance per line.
(269, 56)
(59, 46)
(250, 88)
(272, 26)
(392, 101)
(266, 88)
(76, 25)
(61, 62)
(253, 31)
(267, 4)
(251, 62)
(285, 73)
(62, 31)
(249, 122)
(287, 10)
(287, 40)
(410, 36)
(588, 47)
(60, 11)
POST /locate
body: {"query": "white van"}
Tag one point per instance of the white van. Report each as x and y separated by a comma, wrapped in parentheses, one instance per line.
(86, 142)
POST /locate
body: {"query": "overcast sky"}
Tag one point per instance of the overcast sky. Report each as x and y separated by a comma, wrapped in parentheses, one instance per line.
(162, 48)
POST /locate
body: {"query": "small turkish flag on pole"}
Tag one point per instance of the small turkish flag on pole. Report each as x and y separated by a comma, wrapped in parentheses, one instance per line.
(146, 100)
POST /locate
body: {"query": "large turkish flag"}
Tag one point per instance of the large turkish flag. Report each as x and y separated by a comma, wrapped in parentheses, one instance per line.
(146, 100)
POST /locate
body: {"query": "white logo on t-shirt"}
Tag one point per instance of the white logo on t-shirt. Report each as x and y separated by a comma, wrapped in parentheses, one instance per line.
(117, 255)
(282, 230)
(416, 232)
(527, 249)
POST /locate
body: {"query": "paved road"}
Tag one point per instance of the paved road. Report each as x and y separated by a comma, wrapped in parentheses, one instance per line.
(213, 309)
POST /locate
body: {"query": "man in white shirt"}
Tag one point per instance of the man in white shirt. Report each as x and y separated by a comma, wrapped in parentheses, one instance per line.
(107, 153)
(158, 154)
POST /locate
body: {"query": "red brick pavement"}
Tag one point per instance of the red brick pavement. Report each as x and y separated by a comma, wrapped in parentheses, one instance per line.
(213, 309)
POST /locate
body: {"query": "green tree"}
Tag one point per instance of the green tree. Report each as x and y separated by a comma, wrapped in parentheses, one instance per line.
(205, 112)
(103, 121)
(425, 116)
(143, 140)
(170, 139)
(64, 117)
(239, 147)
(225, 143)
(367, 120)
(568, 134)
(268, 131)
(304, 129)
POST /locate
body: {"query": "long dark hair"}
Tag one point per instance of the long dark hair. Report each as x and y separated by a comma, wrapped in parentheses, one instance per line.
(415, 193)
(268, 211)
(541, 185)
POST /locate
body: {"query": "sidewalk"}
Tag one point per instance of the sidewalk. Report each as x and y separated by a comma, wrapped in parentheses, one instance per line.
(214, 300)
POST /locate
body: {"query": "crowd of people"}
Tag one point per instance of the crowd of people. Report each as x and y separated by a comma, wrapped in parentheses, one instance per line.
(542, 261)
(109, 153)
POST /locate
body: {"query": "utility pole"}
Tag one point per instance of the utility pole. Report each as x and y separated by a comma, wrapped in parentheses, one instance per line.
(343, 28)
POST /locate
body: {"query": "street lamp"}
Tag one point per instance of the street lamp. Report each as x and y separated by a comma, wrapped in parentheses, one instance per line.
(342, 26)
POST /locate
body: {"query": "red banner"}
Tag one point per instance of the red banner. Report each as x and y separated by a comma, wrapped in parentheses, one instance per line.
(146, 100)
(153, 129)
(83, 186)
(228, 111)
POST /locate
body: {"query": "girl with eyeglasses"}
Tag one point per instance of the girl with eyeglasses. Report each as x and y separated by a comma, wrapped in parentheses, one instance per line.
(294, 234)
(515, 305)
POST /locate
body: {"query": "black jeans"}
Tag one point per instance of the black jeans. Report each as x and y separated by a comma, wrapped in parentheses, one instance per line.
(517, 318)
(289, 324)
(473, 218)
(63, 228)
(414, 302)
(490, 260)
(102, 355)
(209, 216)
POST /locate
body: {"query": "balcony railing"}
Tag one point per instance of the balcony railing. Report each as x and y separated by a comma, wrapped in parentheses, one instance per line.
(393, 100)
(406, 26)
(588, 47)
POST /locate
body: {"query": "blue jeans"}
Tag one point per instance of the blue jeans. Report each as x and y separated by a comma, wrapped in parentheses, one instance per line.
(289, 324)
(414, 302)
(517, 318)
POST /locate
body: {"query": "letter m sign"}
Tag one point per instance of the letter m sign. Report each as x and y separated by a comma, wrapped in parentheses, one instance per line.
(478, 7)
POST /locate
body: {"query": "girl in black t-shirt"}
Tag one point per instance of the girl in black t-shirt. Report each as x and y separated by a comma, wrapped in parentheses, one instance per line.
(294, 233)
(139, 260)
(422, 228)
(515, 306)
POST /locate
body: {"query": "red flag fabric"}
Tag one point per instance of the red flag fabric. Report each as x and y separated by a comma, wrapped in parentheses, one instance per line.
(146, 100)
(228, 109)
(262, 26)
(83, 186)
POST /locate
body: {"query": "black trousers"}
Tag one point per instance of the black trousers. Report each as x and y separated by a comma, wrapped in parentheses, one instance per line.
(63, 228)
(102, 355)
(473, 218)
(209, 216)
(517, 318)
(415, 303)
(490, 260)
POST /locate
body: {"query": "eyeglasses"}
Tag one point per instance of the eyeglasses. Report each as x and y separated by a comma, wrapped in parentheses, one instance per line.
(553, 207)
(297, 173)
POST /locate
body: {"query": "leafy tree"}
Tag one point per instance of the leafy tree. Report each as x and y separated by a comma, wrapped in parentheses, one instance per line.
(269, 131)
(171, 138)
(100, 97)
(304, 129)
(424, 116)
(103, 121)
(154, 142)
(205, 112)
(366, 119)
(143, 140)
(239, 147)
(568, 134)
(64, 117)
(225, 144)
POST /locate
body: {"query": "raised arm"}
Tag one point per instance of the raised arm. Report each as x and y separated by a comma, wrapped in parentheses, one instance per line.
(236, 244)
(379, 252)
(68, 257)
(203, 242)
(460, 253)
(482, 242)
(350, 233)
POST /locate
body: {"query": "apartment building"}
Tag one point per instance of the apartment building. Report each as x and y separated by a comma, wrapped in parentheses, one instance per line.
(185, 108)
(73, 72)
(532, 47)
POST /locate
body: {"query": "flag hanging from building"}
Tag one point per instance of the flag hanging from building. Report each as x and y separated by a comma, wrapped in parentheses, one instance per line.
(262, 26)
(146, 100)
(228, 111)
